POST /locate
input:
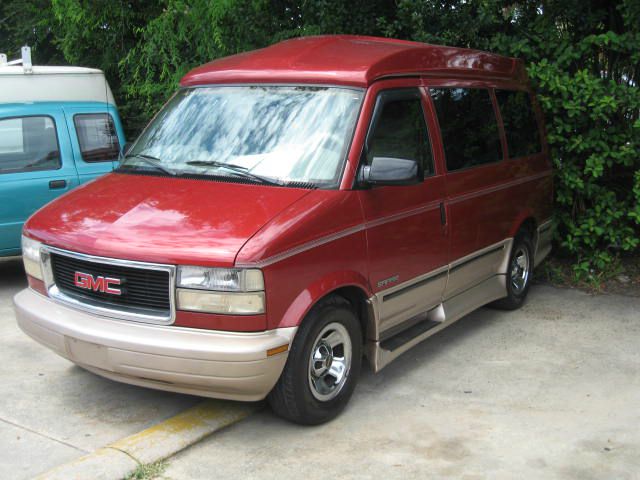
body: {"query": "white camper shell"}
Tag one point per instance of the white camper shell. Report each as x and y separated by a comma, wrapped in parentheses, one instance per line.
(22, 82)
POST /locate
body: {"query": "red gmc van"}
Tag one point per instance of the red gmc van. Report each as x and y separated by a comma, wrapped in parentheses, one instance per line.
(291, 210)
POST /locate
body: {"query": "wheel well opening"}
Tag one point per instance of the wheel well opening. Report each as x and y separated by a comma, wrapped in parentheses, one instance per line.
(358, 300)
(530, 226)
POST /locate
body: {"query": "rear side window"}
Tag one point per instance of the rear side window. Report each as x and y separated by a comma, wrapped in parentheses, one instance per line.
(400, 131)
(468, 125)
(520, 124)
(97, 137)
(28, 144)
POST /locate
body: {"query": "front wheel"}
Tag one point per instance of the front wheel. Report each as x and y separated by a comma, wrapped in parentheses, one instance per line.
(323, 365)
(519, 272)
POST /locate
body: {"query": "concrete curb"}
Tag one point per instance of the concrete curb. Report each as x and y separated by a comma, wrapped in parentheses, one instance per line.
(116, 461)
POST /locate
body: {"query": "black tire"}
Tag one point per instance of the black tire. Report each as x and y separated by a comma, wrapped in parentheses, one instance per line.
(516, 297)
(292, 397)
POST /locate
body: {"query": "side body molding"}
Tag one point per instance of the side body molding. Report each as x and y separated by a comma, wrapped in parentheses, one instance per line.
(475, 280)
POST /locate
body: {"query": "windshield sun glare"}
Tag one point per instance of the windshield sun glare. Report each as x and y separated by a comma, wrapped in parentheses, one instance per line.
(275, 134)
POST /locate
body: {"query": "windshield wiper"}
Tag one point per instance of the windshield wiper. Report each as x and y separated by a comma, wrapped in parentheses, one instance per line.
(237, 169)
(153, 161)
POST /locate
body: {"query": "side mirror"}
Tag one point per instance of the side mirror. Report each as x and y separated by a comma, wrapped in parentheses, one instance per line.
(390, 171)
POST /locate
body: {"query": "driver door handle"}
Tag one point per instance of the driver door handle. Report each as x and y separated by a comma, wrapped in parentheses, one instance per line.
(57, 184)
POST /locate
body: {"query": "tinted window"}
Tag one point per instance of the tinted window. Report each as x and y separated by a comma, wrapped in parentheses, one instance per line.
(468, 125)
(520, 125)
(97, 137)
(401, 132)
(27, 144)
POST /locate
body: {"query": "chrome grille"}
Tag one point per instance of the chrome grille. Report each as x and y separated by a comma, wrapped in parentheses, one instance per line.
(146, 288)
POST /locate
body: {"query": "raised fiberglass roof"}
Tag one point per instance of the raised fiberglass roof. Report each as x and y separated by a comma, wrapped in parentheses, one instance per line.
(351, 60)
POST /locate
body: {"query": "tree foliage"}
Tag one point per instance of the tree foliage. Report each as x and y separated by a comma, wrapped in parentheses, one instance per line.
(583, 57)
(28, 22)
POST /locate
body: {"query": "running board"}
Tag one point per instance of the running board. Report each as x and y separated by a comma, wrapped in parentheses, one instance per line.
(381, 354)
(407, 335)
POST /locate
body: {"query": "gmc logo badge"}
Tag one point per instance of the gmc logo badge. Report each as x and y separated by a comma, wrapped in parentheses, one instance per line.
(97, 284)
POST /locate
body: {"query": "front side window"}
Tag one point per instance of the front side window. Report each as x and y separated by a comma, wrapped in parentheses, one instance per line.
(401, 132)
(271, 134)
(520, 124)
(97, 137)
(468, 125)
(28, 144)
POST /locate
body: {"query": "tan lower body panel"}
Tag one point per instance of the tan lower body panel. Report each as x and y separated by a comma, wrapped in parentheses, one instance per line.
(409, 299)
(223, 365)
(543, 242)
(473, 269)
(471, 282)
(445, 314)
(467, 284)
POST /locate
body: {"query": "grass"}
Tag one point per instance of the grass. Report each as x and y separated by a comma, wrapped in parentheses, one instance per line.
(148, 471)
(560, 272)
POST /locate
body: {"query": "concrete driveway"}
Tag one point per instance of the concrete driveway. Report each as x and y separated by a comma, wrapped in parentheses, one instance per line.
(52, 411)
(550, 391)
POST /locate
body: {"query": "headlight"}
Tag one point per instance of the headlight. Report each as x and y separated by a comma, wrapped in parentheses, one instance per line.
(221, 279)
(221, 290)
(221, 302)
(31, 257)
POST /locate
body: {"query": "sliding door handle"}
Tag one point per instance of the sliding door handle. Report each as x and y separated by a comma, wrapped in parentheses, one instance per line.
(443, 214)
(57, 184)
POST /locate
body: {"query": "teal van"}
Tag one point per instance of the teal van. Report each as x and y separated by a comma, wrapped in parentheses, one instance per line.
(59, 128)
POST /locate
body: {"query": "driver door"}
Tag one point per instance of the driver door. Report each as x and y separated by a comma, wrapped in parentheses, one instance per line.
(406, 230)
(36, 166)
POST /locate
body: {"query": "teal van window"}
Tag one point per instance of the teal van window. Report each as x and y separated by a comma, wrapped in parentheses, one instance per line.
(28, 144)
(97, 137)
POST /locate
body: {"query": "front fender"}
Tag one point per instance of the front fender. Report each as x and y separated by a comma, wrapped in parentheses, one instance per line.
(319, 289)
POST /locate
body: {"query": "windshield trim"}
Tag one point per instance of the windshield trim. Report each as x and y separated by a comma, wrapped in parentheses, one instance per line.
(348, 144)
(150, 172)
(276, 84)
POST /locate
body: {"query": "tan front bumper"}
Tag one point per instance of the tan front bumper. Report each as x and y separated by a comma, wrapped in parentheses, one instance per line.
(216, 364)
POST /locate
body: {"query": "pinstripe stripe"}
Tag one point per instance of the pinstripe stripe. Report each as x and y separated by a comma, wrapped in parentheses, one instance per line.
(502, 186)
(381, 221)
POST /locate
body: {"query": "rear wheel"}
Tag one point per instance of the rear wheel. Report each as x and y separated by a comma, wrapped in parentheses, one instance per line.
(519, 272)
(323, 365)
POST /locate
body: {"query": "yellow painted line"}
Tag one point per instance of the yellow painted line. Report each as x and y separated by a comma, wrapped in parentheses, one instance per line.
(186, 428)
(158, 442)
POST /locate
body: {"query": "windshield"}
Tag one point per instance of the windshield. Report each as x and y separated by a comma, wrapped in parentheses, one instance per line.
(267, 134)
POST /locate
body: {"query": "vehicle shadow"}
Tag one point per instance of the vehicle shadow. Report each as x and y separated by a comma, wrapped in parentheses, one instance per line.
(12, 274)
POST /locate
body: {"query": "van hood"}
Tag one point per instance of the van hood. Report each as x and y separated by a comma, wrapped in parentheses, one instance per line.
(160, 219)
